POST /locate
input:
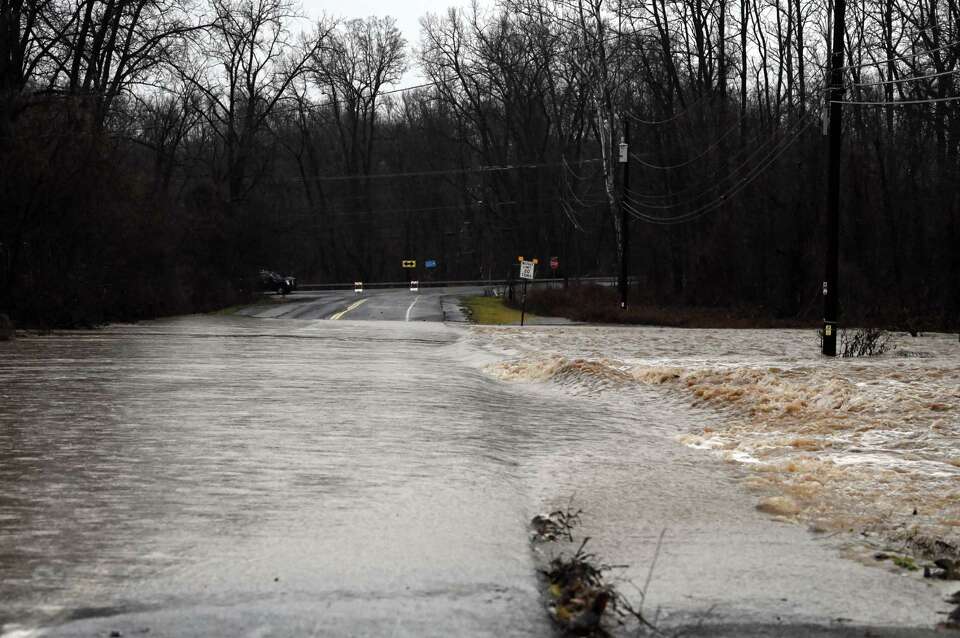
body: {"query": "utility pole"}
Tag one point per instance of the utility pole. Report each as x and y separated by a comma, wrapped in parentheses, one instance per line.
(830, 286)
(624, 219)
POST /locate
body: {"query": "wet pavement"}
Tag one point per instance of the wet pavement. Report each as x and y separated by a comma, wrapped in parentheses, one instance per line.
(274, 477)
(390, 304)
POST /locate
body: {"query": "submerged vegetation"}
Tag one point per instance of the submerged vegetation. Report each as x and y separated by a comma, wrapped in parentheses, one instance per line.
(577, 592)
(865, 342)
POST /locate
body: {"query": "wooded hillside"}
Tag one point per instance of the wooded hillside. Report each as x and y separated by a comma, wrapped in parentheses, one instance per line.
(155, 154)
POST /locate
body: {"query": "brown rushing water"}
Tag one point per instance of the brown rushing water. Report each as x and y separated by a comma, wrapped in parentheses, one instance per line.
(852, 443)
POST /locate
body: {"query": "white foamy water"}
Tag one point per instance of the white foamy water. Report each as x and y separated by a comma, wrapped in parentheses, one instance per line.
(869, 444)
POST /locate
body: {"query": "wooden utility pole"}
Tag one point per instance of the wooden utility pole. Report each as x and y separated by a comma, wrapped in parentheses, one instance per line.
(624, 219)
(830, 285)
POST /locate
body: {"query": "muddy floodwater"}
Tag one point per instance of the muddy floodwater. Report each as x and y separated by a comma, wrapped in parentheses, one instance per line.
(867, 444)
(238, 476)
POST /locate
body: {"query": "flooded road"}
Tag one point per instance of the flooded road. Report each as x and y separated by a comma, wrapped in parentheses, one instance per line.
(281, 476)
(275, 477)
(870, 444)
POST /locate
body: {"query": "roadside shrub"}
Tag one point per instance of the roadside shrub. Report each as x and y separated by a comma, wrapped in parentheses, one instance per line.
(865, 342)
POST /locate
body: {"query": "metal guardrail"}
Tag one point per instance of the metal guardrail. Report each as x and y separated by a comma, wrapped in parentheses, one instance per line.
(458, 282)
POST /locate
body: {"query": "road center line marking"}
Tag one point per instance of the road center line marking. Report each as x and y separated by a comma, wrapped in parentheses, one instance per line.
(353, 306)
(411, 307)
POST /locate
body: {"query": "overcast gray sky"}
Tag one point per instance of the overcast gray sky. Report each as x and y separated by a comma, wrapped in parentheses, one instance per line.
(407, 15)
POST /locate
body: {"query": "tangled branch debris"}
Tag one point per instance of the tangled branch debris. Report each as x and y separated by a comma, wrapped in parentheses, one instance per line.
(555, 525)
(953, 618)
(578, 594)
(864, 342)
(944, 569)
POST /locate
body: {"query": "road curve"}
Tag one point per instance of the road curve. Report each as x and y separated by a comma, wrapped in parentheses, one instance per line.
(427, 304)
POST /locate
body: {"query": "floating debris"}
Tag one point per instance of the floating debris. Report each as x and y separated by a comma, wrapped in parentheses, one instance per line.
(953, 619)
(946, 569)
(577, 594)
(555, 526)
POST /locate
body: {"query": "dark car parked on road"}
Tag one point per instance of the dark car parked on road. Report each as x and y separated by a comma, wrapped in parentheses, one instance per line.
(280, 284)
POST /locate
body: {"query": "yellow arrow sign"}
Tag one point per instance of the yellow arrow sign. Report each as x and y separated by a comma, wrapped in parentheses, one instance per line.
(409, 263)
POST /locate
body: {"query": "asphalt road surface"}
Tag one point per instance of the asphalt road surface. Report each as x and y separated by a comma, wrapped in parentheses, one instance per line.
(391, 304)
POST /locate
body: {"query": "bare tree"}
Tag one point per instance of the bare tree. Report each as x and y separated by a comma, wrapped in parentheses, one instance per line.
(243, 67)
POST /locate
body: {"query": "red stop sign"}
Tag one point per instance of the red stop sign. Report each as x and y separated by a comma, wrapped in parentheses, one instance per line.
(554, 263)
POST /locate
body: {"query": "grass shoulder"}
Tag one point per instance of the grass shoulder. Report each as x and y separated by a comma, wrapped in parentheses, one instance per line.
(491, 311)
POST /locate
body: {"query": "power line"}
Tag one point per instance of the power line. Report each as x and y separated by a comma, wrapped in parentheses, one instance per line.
(425, 209)
(768, 145)
(668, 167)
(721, 200)
(580, 178)
(746, 151)
(577, 198)
(669, 119)
(898, 80)
(897, 102)
(571, 214)
(451, 171)
(717, 203)
(900, 58)
(616, 37)
(404, 89)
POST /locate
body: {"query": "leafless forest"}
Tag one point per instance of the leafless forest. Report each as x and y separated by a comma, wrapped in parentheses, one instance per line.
(154, 154)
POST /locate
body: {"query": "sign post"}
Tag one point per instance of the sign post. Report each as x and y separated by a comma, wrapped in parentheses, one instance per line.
(409, 265)
(526, 272)
(358, 286)
(414, 285)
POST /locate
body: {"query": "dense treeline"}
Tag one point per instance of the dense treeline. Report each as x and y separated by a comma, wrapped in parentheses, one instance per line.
(154, 154)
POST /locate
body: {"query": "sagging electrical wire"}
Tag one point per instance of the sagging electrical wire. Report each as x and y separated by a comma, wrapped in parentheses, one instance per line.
(747, 149)
(720, 201)
(765, 147)
(357, 214)
(570, 170)
(576, 198)
(896, 102)
(758, 170)
(640, 120)
(916, 78)
(451, 171)
(901, 58)
(571, 214)
(707, 150)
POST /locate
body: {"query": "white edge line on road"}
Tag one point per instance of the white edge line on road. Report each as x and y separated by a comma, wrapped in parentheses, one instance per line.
(410, 307)
(353, 306)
